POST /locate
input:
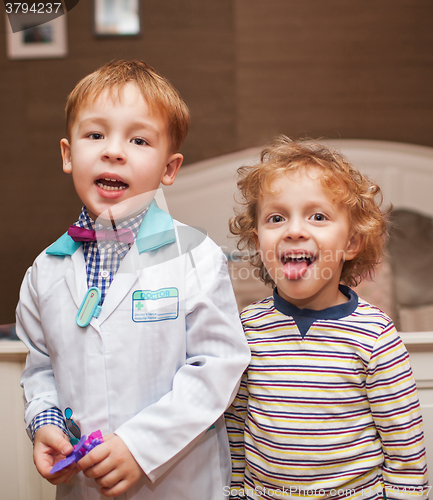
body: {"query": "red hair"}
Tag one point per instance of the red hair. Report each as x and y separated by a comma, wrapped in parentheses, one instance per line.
(361, 197)
(156, 90)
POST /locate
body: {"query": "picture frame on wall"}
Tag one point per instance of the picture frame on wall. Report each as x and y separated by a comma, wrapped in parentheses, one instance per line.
(44, 41)
(117, 17)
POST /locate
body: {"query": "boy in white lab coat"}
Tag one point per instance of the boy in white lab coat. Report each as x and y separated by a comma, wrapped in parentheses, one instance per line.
(129, 317)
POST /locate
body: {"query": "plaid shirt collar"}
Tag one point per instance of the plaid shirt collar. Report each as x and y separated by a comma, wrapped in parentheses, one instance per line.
(122, 249)
(156, 230)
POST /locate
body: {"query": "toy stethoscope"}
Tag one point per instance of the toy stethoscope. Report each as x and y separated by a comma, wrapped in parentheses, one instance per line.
(90, 307)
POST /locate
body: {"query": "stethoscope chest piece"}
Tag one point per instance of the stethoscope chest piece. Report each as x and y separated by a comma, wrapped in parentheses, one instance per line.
(90, 307)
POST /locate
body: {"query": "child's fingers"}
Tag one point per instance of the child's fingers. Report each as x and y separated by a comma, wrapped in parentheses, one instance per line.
(64, 476)
(96, 457)
(50, 446)
(115, 483)
(70, 472)
(52, 437)
(117, 490)
(100, 469)
(109, 480)
(112, 466)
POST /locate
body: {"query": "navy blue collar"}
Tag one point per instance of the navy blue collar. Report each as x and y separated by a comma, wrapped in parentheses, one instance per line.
(304, 318)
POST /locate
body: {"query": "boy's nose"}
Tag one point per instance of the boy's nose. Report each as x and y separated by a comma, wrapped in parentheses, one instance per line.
(114, 152)
(296, 229)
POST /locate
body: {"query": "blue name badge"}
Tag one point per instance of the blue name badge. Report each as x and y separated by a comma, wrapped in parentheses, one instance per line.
(155, 305)
(89, 307)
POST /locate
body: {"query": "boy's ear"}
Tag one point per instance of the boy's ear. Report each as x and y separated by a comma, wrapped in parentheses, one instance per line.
(172, 168)
(65, 149)
(353, 247)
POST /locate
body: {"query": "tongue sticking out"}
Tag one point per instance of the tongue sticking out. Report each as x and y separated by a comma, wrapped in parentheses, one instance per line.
(295, 269)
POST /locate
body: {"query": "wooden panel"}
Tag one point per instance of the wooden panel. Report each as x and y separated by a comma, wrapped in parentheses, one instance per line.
(190, 42)
(354, 70)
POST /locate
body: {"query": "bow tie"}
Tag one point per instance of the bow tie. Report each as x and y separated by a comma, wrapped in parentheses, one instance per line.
(120, 235)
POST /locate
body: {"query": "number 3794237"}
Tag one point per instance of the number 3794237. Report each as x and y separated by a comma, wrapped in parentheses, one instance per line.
(34, 8)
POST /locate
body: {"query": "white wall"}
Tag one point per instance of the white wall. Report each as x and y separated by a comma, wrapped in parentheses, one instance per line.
(420, 347)
(19, 479)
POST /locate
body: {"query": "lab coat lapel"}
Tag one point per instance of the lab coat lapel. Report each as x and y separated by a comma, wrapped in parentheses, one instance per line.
(155, 244)
(122, 284)
(76, 277)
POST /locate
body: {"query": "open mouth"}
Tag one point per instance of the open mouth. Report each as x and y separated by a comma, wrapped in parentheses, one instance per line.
(295, 265)
(298, 258)
(111, 184)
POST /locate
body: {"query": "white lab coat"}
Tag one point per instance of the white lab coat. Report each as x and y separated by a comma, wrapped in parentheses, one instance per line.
(155, 368)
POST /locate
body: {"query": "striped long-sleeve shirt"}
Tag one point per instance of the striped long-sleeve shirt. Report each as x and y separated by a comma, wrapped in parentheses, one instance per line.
(328, 407)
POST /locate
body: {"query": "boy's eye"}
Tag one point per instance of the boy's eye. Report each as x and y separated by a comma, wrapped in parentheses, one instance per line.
(318, 217)
(95, 136)
(275, 219)
(139, 141)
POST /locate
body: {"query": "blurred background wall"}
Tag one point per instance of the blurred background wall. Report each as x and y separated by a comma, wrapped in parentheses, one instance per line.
(248, 69)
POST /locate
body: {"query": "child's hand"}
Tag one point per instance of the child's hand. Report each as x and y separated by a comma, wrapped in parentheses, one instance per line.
(50, 446)
(112, 466)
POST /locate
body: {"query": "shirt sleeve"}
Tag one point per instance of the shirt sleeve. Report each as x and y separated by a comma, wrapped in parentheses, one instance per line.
(396, 411)
(235, 418)
(52, 416)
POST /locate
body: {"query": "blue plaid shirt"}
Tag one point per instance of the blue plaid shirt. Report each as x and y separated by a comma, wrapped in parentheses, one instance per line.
(103, 259)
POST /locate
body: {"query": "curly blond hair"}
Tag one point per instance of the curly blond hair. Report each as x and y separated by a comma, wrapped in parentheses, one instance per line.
(362, 198)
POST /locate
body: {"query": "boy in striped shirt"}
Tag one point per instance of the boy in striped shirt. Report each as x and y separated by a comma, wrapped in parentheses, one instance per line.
(328, 406)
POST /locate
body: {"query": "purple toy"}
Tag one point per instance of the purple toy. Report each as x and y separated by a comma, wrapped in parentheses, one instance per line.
(83, 447)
